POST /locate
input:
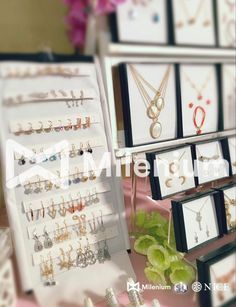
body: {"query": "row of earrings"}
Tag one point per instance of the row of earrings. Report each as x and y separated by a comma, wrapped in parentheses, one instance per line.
(84, 257)
(207, 234)
(63, 234)
(74, 152)
(70, 206)
(46, 185)
(51, 128)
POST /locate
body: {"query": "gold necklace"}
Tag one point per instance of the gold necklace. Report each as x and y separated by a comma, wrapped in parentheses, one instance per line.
(207, 159)
(229, 203)
(192, 19)
(199, 90)
(198, 214)
(154, 105)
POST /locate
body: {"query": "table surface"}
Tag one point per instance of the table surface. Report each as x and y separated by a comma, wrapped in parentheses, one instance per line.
(167, 298)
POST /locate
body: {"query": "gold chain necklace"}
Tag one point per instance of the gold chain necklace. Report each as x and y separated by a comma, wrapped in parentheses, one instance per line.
(198, 214)
(192, 18)
(154, 105)
(206, 158)
(199, 90)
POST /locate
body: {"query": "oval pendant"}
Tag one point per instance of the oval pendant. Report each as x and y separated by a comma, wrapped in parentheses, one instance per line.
(160, 103)
(155, 130)
(152, 111)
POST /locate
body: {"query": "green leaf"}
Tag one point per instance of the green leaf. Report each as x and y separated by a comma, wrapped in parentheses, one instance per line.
(158, 257)
(140, 218)
(142, 244)
(155, 276)
(185, 275)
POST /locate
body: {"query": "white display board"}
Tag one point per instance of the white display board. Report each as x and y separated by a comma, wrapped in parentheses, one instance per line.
(44, 104)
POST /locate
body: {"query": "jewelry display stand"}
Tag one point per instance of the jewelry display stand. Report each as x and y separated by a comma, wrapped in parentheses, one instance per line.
(53, 226)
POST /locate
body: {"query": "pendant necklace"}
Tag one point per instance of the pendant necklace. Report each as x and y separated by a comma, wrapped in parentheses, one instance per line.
(174, 168)
(230, 23)
(228, 204)
(202, 158)
(233, 162)
(154, 105)
(228, 278)
(199, 111)
(198, 214)
(192, 19)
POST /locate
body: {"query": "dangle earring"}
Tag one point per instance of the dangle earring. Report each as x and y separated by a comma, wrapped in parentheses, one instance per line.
(52, 211)
(89, 254)
(22, 161)
(69, 126)
(106, 251)
(53, 157)
(33, 159)
(71, 207)
(196, 238)
(38, 246)
(93, 228)
(59, 128)
(78, 124)
(40, 129)
(49, 128)
(47, 240)
(81, 261)
(92, 175)
(47, 271)
(30, 215)
(81, 205)
(89, 149)
(20, 130)
(100, 254)
(62, 210)
(28, 188)
(207, 231)
(95, 197)
(38, 188)
(83, 225)
(88, 199)
(62, 258)
(70, 262)
(73, 151)
(48, 186)
(81, 152)
(42, 210)
(101, 223)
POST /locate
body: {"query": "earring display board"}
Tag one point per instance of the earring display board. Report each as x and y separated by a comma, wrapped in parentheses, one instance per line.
(150, 89)
(218, 268)
(146, 21)
(68, 227)
(212, 160)
(226, 21)
(232, 152)
(197, 220)
(228, 75)
(171, 172)
(193, 23)
(228, 195)
(199, 99)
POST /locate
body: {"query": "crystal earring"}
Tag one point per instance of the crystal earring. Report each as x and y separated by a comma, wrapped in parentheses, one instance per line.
(81, 261)
(38, 246)
(47, 240)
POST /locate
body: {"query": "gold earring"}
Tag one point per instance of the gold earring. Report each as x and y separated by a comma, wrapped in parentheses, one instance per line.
(52, 211)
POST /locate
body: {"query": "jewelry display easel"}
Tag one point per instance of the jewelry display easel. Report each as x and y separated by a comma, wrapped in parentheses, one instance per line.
(112, 54)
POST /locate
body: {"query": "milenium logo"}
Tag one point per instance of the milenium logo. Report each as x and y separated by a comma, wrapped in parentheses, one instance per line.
(12, 181)
(131, 286)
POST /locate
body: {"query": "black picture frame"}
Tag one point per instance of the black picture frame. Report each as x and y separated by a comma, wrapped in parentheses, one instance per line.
(178, 220)
(218, 93)
(172, 37)
(224, 146)
(221, 190)
(203, 268)
(155, 181)
(123, 77)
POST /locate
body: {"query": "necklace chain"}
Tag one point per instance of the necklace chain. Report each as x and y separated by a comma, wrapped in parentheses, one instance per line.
(199, 90)
(199, 211)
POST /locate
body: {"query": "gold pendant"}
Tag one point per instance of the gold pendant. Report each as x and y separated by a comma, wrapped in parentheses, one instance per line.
(152, 110)
(160, 103)
(155, 130)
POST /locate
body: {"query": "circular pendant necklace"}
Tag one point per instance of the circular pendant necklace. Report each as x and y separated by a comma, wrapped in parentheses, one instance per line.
(154, 105)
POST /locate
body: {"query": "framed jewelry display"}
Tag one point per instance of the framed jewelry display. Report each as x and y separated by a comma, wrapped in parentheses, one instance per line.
(63, 212)
(232, 152)
(151, 89)
(218, 269)
(197, 220)
(228, 76)
(228, 196)
(193, 22)
(146, 20)
(226, 22)
(199, 99)
(171, 172)
(212, 160)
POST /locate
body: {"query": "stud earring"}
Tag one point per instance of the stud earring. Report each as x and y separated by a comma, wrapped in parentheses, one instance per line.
(92, 175)
(38, 246)
(47, 240)
(76, 178)
(84, 178)
(196, 238)
(89, 254)
(81, 261)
